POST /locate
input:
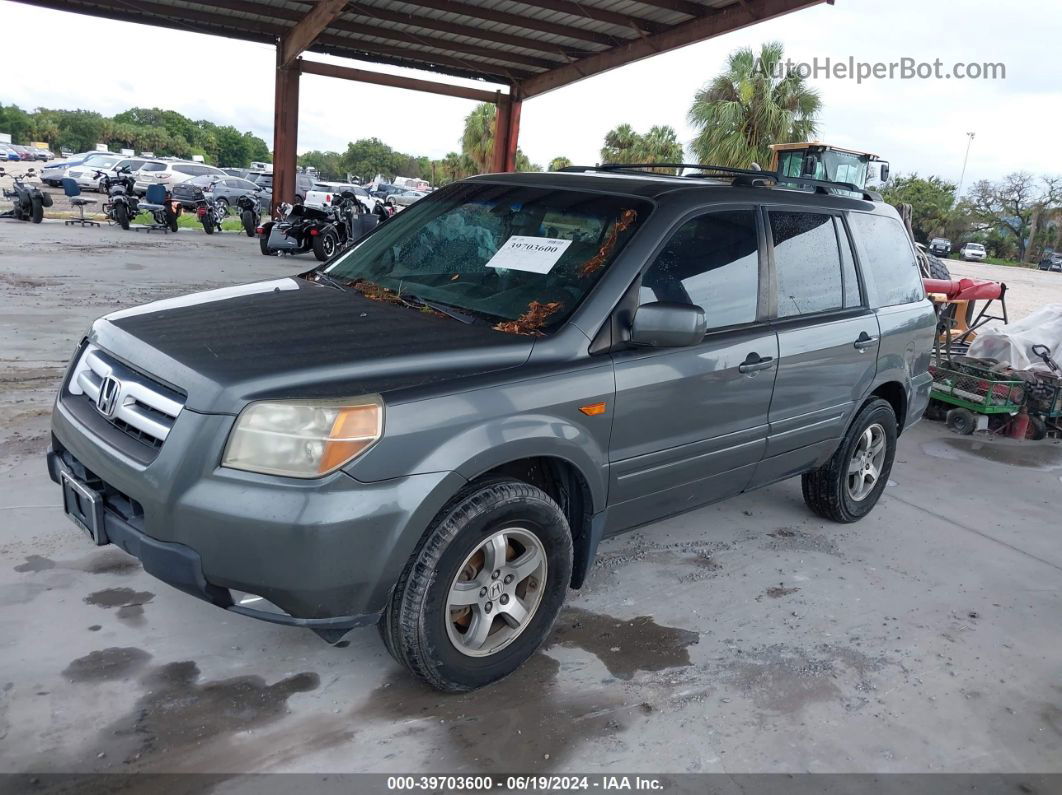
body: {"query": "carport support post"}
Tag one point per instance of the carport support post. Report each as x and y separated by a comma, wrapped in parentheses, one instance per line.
(285, 129)
(506, 131)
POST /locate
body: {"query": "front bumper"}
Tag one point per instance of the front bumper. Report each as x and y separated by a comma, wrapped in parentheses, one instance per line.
(325, 554)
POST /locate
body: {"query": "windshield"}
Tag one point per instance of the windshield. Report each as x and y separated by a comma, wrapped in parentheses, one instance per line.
(100, 161)
(522, 257)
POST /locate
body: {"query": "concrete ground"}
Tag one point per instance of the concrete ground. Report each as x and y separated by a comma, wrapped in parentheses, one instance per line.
(745, 637)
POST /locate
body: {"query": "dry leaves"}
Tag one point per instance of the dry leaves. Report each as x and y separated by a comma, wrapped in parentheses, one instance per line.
(530, 323)
(592, 265)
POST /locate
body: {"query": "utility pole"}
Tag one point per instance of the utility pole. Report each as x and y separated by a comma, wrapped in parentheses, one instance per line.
(962, 177)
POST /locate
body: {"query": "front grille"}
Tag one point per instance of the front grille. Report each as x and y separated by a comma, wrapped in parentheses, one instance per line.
(141, 408)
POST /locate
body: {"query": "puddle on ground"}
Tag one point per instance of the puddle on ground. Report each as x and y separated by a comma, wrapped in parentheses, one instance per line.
(35, 563)
(107, 664)
(108, 562)
(785, 679)
(1028, 455)
(119, 597)
(624, 647)
(499, 728)
(179, 714)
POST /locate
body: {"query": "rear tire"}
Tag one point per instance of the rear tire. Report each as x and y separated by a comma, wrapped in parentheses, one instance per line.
(263, 244)
(325, 245)
(961, 421)
(248, 223)
(1037, 429)
(848, 486)
(432, 635)
(36, 209)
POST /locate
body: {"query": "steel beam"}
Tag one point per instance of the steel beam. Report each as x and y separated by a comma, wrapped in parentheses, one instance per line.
(309, 28)
(395, 81)
(506, 132)
(285, 129)
(722, 21)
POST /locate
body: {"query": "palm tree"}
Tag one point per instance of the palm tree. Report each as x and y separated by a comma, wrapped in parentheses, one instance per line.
(557, 163)
(620, 144)
(478, 139)
(660, 145)
(753, 104)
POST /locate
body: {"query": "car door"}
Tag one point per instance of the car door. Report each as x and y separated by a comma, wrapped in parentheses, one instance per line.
(827, 339)
(691, 423)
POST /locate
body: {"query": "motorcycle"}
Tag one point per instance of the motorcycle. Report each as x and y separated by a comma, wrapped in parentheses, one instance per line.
(121, 205)
(325, 231)
(210, 211)
(29, 200)
(250, 209)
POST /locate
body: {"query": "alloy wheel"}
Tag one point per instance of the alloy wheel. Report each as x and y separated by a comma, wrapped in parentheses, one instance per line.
(496, 592)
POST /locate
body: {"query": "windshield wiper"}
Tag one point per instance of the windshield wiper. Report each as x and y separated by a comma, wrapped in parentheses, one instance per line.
(450, 311)
(331, 281)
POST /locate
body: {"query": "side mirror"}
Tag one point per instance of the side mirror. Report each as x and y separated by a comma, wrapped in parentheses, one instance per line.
(668, 325)
(884, 173)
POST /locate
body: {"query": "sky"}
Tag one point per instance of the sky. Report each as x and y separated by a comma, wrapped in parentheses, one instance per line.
(919, 125)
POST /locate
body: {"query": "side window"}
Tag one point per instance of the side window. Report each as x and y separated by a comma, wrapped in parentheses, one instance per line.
(807, 263)
(888, 255)
(852, 297)
(711, 261)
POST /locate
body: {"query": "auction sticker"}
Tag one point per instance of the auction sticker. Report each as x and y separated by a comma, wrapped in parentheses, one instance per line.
(530, 254)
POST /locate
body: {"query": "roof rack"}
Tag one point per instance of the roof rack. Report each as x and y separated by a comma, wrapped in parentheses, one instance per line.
(750, 177)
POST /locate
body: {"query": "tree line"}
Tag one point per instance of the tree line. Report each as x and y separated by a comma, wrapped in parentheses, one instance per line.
(165, 133)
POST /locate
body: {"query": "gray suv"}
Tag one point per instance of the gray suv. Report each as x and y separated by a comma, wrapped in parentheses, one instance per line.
(433, 431)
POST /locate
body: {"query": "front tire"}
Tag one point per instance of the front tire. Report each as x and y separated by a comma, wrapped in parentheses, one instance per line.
(209, 223)
(481, 593)
(848, 486)
(36, 209)
(248, 223)
(121, 215)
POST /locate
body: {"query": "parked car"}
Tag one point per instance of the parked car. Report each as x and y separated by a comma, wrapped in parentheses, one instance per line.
(242, 173)
(432, 431)
(7, 152)
(24, 152)
(224, 191)
(1051, 261)
(325, 194)
(85, 173)
(303, 185)
(405, 198)
(972, 252)
(384, 189)
(171, 172)
(43, 154)
(53, 173)
(940, 247)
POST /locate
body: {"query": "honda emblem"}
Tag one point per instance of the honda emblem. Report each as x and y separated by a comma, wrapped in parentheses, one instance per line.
(107, 399)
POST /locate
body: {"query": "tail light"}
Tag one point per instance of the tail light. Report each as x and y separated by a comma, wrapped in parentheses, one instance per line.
(328, 198)
(200, 211)
(259, 230)
(315, 232)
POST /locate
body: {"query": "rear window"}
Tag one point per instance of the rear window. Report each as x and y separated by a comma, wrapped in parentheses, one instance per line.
(153, 167)
(888, 259)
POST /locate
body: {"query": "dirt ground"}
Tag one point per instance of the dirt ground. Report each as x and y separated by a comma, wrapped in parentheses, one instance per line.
(1027, 288)
(748, 636)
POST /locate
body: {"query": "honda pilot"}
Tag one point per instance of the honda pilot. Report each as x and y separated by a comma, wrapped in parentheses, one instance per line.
(432, 432)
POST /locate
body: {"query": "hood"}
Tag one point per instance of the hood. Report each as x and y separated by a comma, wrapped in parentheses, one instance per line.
(291, 338)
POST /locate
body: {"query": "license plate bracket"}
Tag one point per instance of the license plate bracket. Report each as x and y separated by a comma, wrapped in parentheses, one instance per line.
(84, 507)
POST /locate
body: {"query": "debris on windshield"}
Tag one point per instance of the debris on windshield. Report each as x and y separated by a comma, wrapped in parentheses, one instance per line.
(374, 292)
(594, 264)
(530, 323)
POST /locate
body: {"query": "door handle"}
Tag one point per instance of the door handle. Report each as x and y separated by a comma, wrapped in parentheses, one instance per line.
(754, 363)
(864, 342)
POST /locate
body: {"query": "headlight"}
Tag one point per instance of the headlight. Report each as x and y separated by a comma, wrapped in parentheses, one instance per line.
(303, 438)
